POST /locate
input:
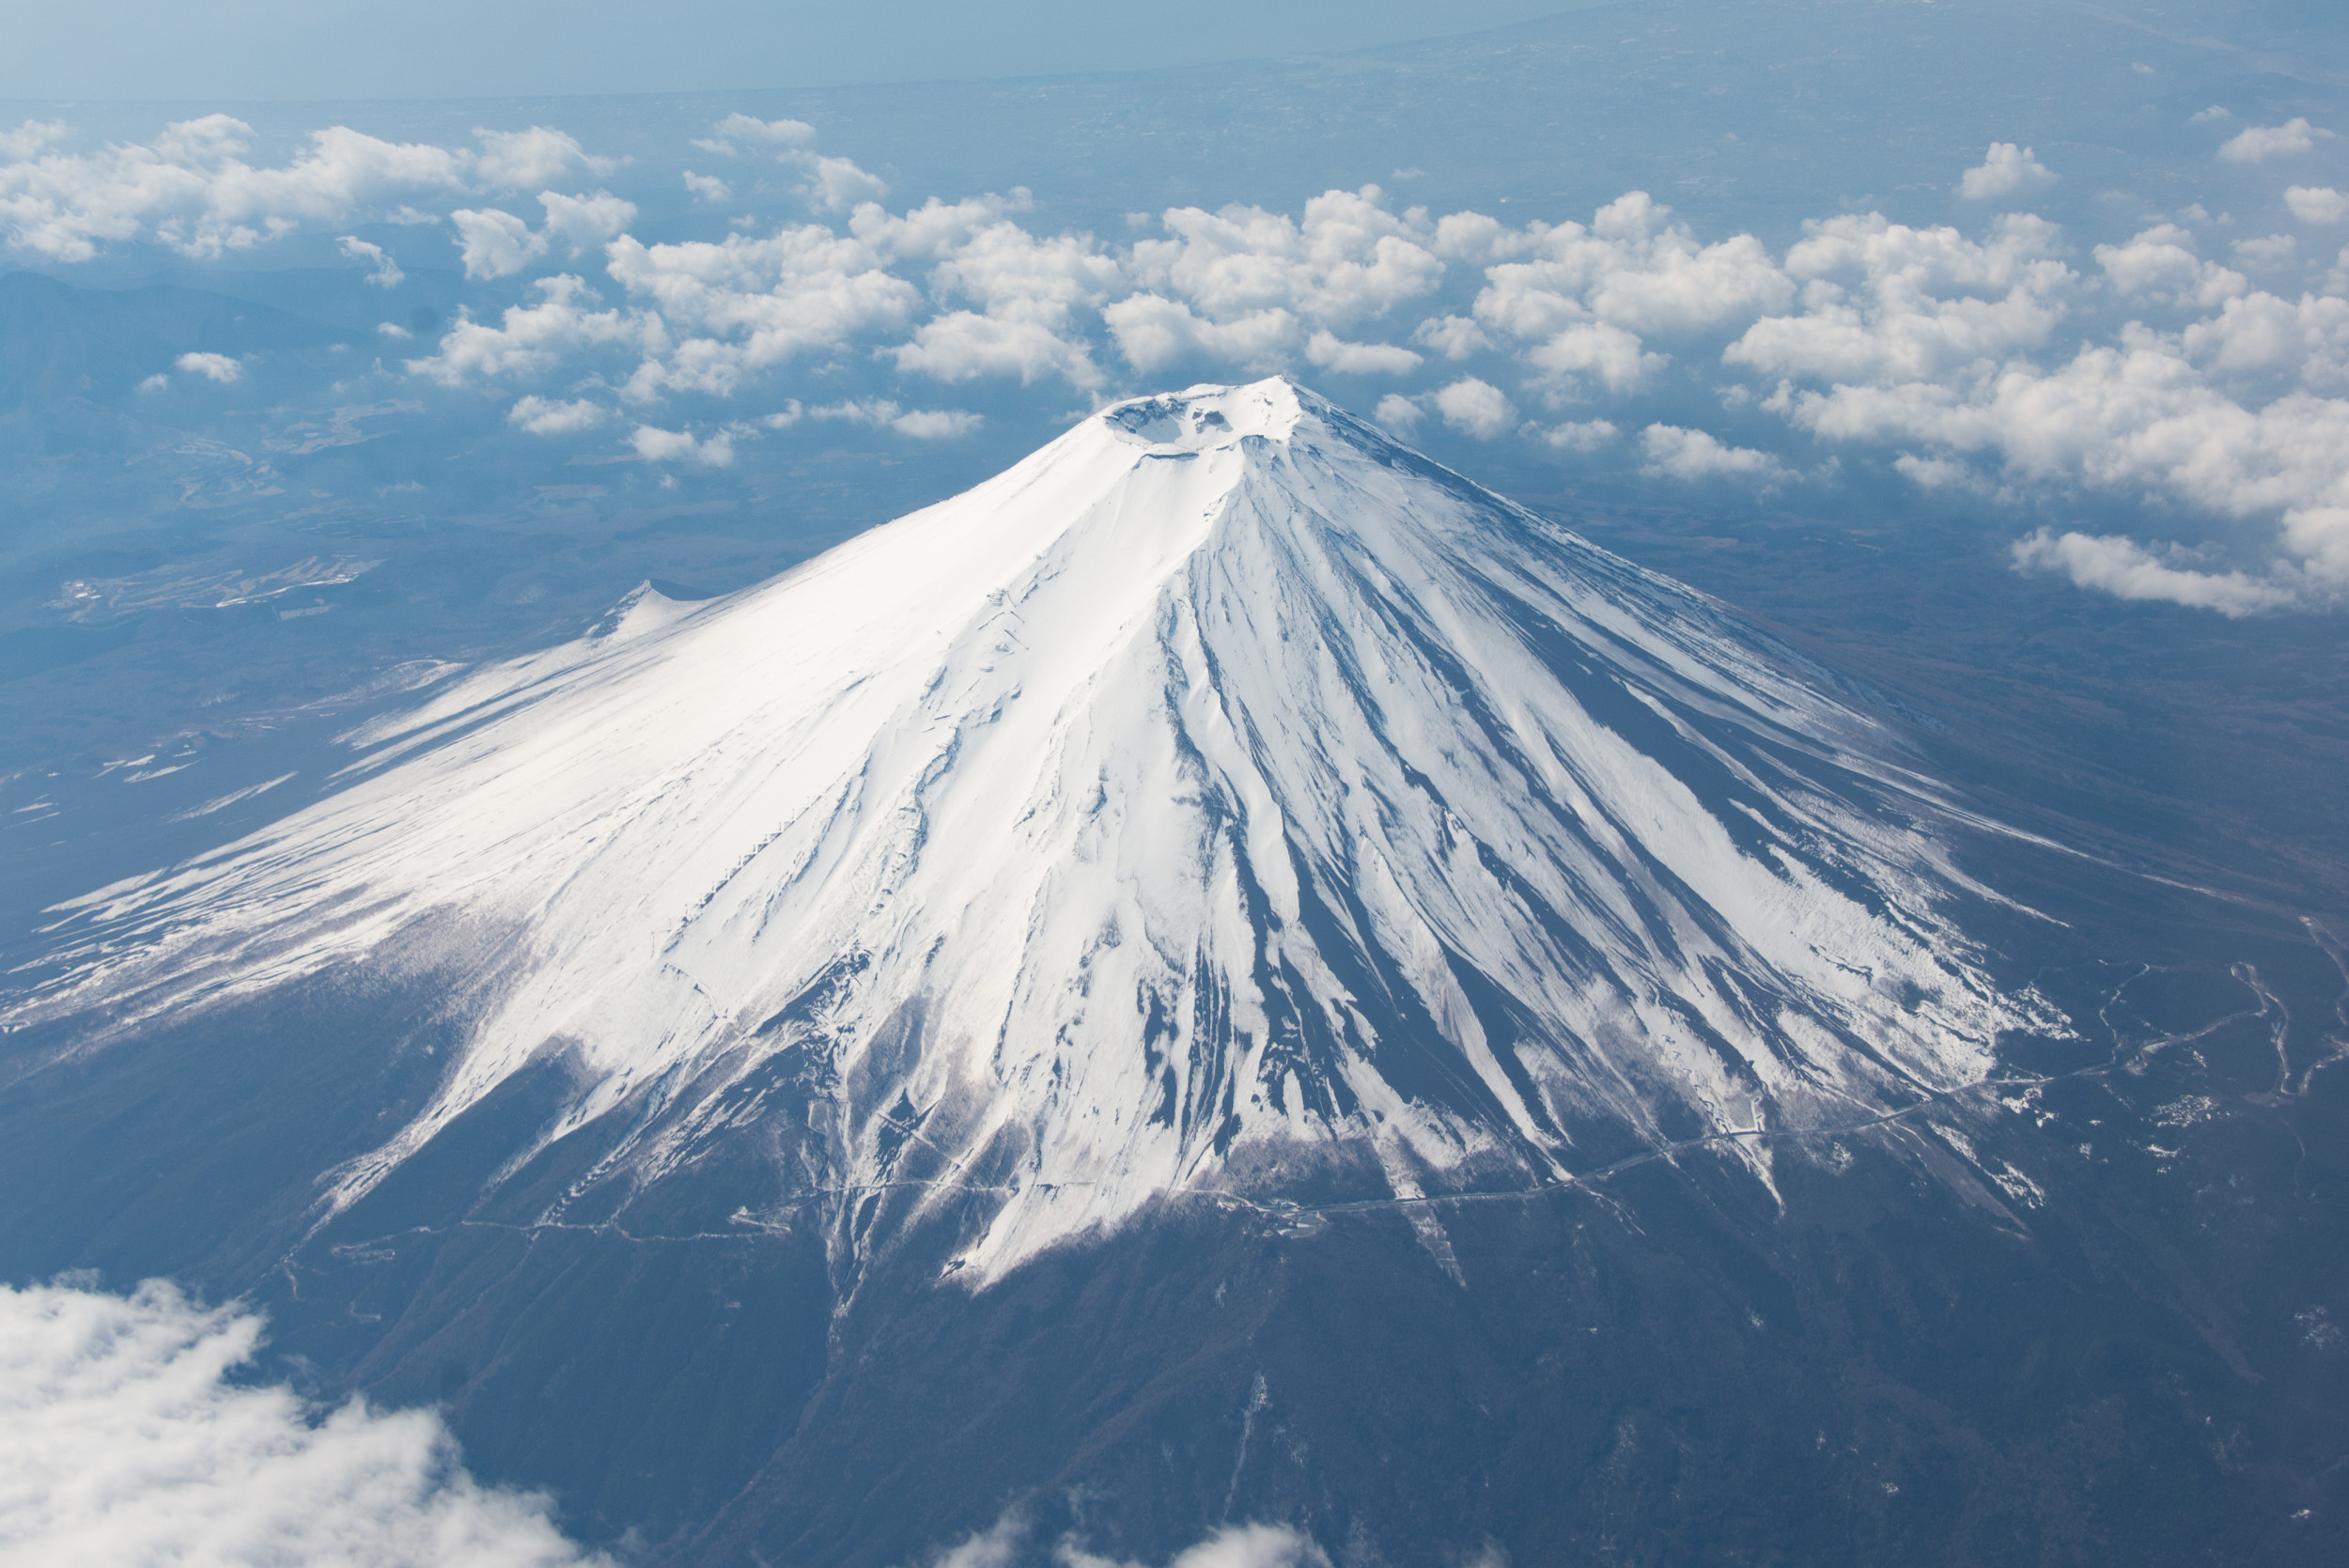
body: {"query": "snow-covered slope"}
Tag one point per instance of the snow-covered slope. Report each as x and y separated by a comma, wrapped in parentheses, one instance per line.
(1223, 793)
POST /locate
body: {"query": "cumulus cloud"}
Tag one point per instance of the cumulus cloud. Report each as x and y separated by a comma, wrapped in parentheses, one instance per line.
(193, 189)
(730, 136)
(516, 160)
(1455, 337)
(217, 367)
(1332, 353)
(2141, 416)
(746, 303)
(1154, 332)
(585, 222)
(1476, 408)
(1031, 293)
(881, 413)
(28, 139)
(2007, 171)
(121, 1442)
(541, 416)
(835, 184)
(1587, 435)
(494, 242)
(2124, 567)
(532, 339)
(1233, 1546)
(656, 445)
(1399, 414)
(386, 272)
(2267, 250)
(2316, 204)
(2258, 143)
(1682, 454)
(1885, 301)
(1962, 351)
(1250, 1546)
(1585, 299)
(707, 187)
(1348, 259)
(2160, 263)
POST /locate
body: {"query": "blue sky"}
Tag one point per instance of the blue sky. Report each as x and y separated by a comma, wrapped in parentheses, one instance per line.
(283, 50)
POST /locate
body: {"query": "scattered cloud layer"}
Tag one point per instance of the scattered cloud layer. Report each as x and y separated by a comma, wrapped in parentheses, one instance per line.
(1992, 358)
(122, 1442)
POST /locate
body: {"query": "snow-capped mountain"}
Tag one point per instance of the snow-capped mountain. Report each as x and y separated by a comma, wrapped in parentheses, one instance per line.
(1224, 798)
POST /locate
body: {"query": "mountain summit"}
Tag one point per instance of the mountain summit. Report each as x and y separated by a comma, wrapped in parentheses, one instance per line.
(1225, 799)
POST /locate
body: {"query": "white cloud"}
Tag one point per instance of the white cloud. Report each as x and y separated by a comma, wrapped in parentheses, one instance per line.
(494, 242)
(1332, 353)
(1476, 408)
(1938, 473)
(1455, 337)
(2261, 335)
(1233, 1546)
(1632, 269)
(2007, 170)
(1682, 454)
(656, 445)
(963, 345)
(393, 330)
(154, 384)
(386, 274)
(1586, 435)
(2128, 570)
(707, 187)
(881, 413)
(835, 184)
(2160, 263)
(29, 139)
(2267, 252)
(2258, 143)
(1154, 332)
(122, 1442)
(1884, 301)
(218, 367)
(1348, 259)
(516, 160)
(1398, 414)
(542, 417)
(585, 222)
(737, 130)
(1251, 1546)
(1029, 292)
(2316, 204)
(193, 190)
(1597, 348)
(2216, 113)
(533, 339)
(746, 303)
(935, 423)
(2138, 417)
